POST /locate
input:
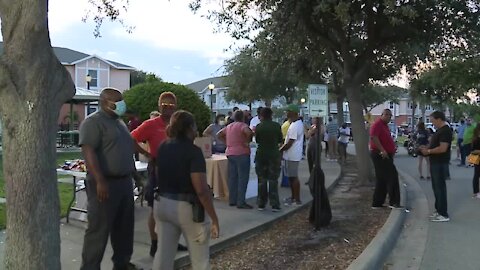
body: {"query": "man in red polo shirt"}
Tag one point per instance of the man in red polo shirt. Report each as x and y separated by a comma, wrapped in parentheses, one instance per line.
(153, 131)
(383, 149)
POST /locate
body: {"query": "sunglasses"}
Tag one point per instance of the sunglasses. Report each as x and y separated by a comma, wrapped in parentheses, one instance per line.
(168, 104)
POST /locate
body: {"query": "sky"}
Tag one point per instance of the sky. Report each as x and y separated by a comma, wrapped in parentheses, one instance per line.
(168, 39)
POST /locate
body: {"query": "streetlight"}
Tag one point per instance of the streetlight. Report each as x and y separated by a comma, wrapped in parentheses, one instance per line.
(302, 101)
(88, 79)
(211, 86)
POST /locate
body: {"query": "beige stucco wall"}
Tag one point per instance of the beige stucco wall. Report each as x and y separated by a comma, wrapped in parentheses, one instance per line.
(120, 79)
(71, 70)
(96, 64)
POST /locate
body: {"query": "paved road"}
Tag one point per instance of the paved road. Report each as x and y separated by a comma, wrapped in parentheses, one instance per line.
(445, 246)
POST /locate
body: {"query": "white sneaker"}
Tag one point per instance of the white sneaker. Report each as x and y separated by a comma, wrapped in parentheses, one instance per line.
(478, 196)
(440, 218)
(288, 201)
(433, 215)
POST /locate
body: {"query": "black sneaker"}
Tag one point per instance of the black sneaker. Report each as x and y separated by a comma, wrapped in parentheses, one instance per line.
(245, 206)
(129, 266)
(396, 206)
(181, 247)
(276, 209)
(153, 248)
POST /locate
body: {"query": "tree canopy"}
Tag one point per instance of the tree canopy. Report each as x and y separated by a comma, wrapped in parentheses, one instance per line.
(140, 76)
(250, 78)
(363, 40)
(374, 95)
(449, 81)
(143, 99)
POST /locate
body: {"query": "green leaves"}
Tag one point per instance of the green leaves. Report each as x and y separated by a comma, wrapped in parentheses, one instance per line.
(143, 99)
(450, 81)
(252, 76)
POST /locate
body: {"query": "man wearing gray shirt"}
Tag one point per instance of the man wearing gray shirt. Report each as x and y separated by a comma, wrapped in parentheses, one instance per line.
(108, 151)
(332, 130)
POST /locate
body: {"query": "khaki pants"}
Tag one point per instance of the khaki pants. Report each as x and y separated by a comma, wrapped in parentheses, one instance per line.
(172, 218)
(332, 147)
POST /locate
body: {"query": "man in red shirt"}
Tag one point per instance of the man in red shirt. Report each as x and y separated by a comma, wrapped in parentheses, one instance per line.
(383, 149)
(153, 131)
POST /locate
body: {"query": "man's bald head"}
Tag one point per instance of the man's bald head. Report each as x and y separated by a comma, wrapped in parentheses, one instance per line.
(110, 94)
(108, 97)
(386, 115)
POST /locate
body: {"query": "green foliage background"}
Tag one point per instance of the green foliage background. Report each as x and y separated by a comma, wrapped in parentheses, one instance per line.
(143, 99)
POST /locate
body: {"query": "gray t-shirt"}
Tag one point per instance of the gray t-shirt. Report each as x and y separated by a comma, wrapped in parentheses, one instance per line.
(216, 141)
(112, 142)
(332, 129)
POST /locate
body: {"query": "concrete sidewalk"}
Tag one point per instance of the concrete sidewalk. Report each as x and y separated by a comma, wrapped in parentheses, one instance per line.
(235, 224)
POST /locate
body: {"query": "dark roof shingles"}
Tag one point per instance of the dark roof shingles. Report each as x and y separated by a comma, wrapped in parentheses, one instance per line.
(68, 56)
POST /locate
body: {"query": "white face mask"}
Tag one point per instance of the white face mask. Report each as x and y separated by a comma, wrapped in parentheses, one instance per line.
(221, 123)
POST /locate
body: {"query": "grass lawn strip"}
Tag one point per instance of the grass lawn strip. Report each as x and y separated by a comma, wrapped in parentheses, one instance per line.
(65, 190)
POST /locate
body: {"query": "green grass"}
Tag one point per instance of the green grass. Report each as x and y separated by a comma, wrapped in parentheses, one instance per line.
(401, 140)
(64, 190)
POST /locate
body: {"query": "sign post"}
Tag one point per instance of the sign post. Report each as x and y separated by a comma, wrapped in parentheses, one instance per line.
(317, 100)
(320, 210)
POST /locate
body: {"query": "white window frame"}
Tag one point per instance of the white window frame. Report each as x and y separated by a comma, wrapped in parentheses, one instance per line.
(97, 78)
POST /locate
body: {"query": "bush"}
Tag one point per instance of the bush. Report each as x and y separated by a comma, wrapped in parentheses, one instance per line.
(143, 99)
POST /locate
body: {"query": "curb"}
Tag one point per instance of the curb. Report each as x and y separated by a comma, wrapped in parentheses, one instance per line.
(185, 259)
(383, 243)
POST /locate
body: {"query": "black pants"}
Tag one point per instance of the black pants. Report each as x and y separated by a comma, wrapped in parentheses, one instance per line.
(476, 177)
(438, 171)
(387, 180)
(466, 149)
(113, 217)
(311, 154)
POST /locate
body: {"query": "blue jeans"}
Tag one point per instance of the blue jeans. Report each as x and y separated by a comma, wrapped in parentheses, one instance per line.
(238, 175)
(465, 151)
(438, 172)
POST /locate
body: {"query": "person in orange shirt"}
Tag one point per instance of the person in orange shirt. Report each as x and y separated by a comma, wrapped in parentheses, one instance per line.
(153, 131)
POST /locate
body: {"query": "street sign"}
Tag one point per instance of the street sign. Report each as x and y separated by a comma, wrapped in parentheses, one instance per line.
(317, 100)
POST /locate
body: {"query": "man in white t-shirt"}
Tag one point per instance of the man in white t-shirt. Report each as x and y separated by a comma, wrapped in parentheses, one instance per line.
(343, 140)
(292, 151)
(255, 120)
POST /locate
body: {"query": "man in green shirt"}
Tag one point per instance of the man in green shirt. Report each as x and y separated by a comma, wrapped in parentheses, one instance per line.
(467, 139)
(268, 135)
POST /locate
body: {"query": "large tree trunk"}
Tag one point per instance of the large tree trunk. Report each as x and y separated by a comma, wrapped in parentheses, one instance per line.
(33, 86)
(361, 137)
(340, 113)
(424, 110)
(414, 108)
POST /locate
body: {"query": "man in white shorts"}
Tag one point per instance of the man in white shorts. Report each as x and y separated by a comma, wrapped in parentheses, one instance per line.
(292, 150)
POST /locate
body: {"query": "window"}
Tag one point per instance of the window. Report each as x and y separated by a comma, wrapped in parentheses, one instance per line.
(91, 109)
(391, 105)
(214, 98)
(94, 74)
(428, 107)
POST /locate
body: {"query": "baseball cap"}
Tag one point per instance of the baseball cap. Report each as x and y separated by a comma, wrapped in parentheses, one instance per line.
(293, 108)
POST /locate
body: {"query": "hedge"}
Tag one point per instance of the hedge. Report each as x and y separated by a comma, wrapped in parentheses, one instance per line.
(143, 99)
